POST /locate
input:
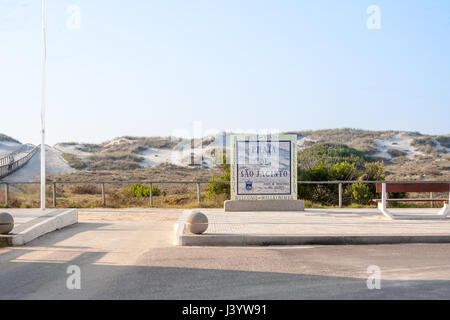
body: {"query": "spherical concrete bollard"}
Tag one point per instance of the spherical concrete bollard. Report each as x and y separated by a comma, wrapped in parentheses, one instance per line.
(6, 223)
(197, 222)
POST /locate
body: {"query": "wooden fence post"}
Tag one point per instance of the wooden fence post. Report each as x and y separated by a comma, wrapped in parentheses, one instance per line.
(151, 194)
(6, 194)
(54, 195)
(432, 202)
(103, 195)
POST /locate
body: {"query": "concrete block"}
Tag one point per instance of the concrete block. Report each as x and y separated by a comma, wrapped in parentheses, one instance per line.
(42, 227)
(263, 205)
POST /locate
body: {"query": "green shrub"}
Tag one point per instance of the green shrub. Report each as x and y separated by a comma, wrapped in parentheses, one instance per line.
(215, 189)
(364, 193)
(344, 171)
(373, 172)
(361, 193)
(331, 154)
(323, 193)
(138, 190)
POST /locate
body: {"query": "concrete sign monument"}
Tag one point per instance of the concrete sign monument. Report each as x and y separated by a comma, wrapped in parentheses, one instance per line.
(263, 173)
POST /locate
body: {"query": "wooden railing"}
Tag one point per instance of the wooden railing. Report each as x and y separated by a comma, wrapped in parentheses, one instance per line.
(9, 165)
(7, 158)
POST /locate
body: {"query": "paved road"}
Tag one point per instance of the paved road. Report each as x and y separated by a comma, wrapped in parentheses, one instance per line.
(129, 255)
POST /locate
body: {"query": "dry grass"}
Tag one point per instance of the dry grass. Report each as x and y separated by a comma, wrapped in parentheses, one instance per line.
(28, 197)
(74, 161)
(362, 140)
(134, 144)
(115, 156)
(89, 196)
(161, 172)
(425, 167)
(394, 153)
(444, 140)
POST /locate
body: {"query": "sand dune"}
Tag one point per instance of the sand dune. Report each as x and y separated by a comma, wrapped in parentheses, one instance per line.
(398, 142)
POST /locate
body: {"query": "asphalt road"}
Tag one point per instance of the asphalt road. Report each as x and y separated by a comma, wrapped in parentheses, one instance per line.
(129, 255)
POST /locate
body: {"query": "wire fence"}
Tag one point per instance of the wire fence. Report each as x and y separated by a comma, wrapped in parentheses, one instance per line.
(106, 187)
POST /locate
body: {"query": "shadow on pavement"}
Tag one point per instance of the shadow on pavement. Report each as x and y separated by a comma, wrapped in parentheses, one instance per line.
(48, 281)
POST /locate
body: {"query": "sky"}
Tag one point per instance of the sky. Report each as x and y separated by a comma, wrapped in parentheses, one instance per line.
(157, 67)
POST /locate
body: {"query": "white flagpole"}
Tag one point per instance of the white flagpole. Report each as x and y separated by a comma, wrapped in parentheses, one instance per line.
(43, 107)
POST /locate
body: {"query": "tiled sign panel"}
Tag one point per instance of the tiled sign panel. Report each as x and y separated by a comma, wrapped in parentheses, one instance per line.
(264, 167)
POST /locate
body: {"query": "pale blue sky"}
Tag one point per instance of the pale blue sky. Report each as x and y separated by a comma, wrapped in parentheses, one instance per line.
(150, 67)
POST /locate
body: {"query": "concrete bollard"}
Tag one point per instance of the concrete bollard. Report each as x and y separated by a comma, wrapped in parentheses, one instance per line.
(6, 223)
(197, 222)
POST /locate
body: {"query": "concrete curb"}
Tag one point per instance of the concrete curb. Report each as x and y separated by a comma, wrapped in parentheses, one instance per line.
(50, 224)
(180, 228)
(185, 238)
(266, 240)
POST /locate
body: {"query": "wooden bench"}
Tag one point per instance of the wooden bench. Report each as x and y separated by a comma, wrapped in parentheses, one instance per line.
(384, 188)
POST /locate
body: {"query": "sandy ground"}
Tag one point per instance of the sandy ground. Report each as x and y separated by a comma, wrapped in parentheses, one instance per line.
(399, 142)
(118, 141)
(180, 155)
(304, 143)
(440, 146)
(73, 149)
